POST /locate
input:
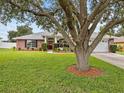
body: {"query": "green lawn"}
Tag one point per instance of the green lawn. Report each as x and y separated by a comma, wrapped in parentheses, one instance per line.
(122, 53)
(37, 72)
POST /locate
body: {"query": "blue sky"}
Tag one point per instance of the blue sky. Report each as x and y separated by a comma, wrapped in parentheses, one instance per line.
(12, 26)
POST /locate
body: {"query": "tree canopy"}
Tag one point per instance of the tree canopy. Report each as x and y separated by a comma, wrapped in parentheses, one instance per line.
(21, 30)
(120, 32)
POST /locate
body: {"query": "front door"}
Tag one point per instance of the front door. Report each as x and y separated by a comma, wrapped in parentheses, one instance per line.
(50, 47)
(50, 43)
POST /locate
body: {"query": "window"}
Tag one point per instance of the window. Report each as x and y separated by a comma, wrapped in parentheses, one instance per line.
(31, 44)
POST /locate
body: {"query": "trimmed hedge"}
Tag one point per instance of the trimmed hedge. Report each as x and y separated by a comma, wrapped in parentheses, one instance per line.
(56, 45)
(44, 47)
(113, 48)
(119, 48)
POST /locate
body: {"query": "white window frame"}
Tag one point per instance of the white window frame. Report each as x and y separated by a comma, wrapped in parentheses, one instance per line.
(31, 43)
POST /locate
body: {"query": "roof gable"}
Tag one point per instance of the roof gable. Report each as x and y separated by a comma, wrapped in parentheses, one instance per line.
(40, 36)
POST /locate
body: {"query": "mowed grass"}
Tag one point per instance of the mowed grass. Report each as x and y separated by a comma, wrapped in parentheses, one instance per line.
(37, 72)
(121, 53)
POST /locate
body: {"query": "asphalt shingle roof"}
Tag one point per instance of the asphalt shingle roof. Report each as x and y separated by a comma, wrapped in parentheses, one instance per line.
(119, 39)
(40, 36)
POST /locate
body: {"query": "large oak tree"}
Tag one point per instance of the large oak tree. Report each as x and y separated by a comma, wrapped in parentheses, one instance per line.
(76, 20)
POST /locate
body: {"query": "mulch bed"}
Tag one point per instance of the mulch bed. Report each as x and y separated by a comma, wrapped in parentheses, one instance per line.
(92, 72)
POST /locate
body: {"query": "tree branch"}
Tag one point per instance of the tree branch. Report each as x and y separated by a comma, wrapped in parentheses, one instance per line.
(101, 6)
(93, 27)
(97, 10)
(95, 23)
(28, 10)
(83, 11)
(45, 14)
(65, 4)
(75, 11)
(102, 33)
(36, 3)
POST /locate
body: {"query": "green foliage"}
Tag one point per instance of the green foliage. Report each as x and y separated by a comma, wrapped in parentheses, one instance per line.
(40, 49)
(11, 35)
(120, 48)
(56, 45)
(44, 47)
(66, 49)
(14, 48)
(9, 12)
(56, 50)
(120, 32)
(113, 48)
(22, 12)
(111, 32)
(24, 30)
(36, 72)
(64, 46)
(21, 30)
(121, 53)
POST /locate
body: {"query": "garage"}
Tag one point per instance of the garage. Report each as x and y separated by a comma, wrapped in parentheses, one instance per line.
(102, 46)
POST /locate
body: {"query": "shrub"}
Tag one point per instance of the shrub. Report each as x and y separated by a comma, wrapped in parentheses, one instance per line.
(14, 48)
(44, 47)
(120, 48)
(27, 48)
(56, 45)
(32, 49)
(56, 49)
(19, 48)
(113, 48)
(40, 49)
(66, 49)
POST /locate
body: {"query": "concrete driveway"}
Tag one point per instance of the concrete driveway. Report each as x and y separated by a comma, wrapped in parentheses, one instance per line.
(112, 58)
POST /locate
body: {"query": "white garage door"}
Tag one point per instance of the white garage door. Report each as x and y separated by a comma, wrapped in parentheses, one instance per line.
(102, 47)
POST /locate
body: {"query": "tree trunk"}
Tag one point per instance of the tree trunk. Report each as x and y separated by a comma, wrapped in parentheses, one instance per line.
(82, 59)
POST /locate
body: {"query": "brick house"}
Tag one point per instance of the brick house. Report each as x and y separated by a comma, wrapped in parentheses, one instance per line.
(35, 41)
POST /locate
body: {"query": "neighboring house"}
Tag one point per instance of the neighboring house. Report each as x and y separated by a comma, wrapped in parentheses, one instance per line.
(119, 41)
(35, 41)
(7, 44)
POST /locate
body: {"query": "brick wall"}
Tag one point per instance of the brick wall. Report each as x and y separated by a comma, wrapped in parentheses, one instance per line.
(20, 44)
(39, 43)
